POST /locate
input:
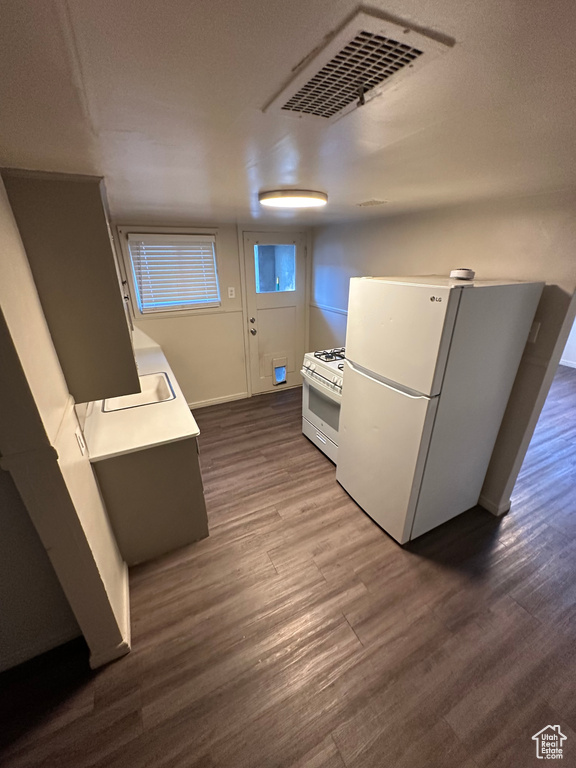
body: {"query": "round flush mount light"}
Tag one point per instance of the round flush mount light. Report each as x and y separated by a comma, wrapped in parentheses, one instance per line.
(293, 198)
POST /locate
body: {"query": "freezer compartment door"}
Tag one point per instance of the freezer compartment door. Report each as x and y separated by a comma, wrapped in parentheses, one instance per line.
(401, 332)
(383, 442)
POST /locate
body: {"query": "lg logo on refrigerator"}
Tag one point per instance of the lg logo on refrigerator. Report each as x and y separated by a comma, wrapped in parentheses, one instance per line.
(435, 298)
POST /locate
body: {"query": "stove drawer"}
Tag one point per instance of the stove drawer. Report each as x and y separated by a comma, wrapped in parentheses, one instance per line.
(320, 440)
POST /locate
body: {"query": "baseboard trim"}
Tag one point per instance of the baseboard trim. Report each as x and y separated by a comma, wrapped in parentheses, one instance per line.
(495, 509)
(568, 363)
(327, 308)
(218, 400)
(107, 655)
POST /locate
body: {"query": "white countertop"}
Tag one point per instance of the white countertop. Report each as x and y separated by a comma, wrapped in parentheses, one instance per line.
(134, 429)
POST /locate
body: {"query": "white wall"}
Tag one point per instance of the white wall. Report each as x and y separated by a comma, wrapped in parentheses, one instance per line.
(569, 354)
(529, 238)
(35, 613)
(205, 348)
(54, 479)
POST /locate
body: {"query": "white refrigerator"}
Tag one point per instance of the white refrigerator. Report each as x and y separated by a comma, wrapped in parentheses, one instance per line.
(430, 363)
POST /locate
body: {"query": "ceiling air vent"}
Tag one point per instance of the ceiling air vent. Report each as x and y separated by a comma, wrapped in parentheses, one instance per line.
(371, 203)
(354, 67)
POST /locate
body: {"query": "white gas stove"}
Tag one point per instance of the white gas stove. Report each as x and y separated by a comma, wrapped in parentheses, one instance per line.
(326, 366)
(321, 397)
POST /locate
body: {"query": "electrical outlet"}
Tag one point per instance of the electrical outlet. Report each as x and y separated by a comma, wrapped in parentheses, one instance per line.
(231, 293)
(534, 331)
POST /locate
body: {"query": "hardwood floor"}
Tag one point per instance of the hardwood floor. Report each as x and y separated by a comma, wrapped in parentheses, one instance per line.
(299, 634)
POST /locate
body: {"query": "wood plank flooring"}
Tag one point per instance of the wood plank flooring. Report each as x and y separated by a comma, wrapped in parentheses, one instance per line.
(300, 635)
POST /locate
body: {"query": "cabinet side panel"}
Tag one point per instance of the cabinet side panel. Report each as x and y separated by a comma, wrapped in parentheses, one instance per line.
(155, 499)
(33, 391)
(63, 226)
(491, 331)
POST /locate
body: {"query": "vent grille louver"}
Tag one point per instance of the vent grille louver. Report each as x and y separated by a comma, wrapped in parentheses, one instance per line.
(367, 61)
(354, 65)
(371, 203)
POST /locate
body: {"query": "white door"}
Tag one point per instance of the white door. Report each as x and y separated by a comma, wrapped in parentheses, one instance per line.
(275, 291)
(401, 332)
(383, 440)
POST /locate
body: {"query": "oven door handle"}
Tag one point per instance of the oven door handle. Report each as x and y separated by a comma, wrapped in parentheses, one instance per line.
(336, 397)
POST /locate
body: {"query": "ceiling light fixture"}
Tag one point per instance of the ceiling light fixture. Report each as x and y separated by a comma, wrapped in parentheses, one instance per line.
(293, 198)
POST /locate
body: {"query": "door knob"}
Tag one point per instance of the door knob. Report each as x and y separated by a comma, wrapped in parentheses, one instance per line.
(252, 319)
(253, 331)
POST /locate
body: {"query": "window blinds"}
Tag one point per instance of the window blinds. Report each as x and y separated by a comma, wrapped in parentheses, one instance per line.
(173, 272)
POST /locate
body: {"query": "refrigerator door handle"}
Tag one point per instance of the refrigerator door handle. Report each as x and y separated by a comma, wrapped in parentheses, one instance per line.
(411, 393)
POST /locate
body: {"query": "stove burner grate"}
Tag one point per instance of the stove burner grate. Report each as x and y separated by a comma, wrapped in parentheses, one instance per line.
(330, 355)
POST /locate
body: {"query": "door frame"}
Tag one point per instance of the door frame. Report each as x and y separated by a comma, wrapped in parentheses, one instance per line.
(305, 232)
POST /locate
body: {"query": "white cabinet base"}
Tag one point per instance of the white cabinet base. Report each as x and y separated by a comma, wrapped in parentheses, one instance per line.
(155, 499)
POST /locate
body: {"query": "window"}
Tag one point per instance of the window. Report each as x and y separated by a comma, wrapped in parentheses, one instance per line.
(174, 272)
(275, 268)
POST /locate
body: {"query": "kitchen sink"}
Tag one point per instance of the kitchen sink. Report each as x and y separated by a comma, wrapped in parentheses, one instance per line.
(156, 388)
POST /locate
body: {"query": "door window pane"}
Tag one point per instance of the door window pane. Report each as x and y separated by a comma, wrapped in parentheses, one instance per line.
(275, 268)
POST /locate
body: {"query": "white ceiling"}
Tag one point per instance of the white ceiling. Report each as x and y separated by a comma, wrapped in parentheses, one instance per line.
(165, 100)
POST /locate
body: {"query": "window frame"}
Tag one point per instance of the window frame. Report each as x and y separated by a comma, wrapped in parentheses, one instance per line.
(124, 232)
